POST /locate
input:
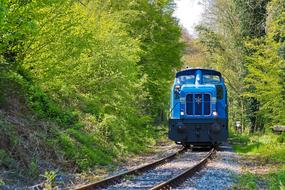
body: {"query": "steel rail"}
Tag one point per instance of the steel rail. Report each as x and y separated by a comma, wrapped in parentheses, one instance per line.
(117, 178)
(180, 178)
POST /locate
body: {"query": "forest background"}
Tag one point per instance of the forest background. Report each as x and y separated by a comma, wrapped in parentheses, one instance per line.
(84, 83)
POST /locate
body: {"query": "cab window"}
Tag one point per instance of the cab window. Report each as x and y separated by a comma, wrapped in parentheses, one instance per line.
(220, 92)
(187, 79)
(211, 79)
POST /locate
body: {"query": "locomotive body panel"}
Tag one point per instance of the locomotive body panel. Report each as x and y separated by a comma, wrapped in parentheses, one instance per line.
(199, 108)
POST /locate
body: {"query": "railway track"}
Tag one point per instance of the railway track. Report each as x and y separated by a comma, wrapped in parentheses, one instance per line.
(157, 175)
(181, 177)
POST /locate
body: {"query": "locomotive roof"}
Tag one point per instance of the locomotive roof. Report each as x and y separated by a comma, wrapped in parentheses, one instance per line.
(193, 71)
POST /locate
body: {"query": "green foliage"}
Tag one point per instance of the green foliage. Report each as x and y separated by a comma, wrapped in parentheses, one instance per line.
(281, 138)
(252, 147)
(273, 180)
(247, 181)
(276, 180)
(265, 67)
(251, 17)
(158, 33)
(49, 179)
(2, 181)
(268, 147)
(221, 37)
(239, 138)
(33, 169)
(97, 69)
(245, 41)
(5, 159)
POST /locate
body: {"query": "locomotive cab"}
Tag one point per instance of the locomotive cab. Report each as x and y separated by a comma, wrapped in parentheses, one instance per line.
(199, 113)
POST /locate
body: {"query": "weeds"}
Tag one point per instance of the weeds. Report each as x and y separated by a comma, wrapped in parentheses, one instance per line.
(269, 148)
(247, 181)
(1, 182)
(49, 179)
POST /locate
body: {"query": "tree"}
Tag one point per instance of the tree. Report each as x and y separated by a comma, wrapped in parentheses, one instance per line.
(265, 77)
(99, 69)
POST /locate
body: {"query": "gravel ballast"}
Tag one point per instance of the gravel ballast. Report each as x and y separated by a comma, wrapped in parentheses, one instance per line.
(161, 173)
(219, 174)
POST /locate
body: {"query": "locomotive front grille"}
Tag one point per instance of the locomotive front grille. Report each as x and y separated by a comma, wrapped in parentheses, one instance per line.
(198, 104)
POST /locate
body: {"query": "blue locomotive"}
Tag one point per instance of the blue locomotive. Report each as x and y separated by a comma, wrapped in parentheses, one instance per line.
(199, 113)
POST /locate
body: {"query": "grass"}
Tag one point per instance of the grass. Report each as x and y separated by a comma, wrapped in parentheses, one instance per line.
(272, 181)
(277, 180)
(266, 148)
(270, 147)
(247, 181)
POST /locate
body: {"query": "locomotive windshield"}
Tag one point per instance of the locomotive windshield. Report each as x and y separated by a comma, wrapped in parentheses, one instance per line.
(211, 79)
(186, 79)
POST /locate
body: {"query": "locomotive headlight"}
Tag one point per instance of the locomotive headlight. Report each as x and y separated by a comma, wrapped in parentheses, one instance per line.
(182, 113)
(215, 114)
(177, 87)
(177, 91)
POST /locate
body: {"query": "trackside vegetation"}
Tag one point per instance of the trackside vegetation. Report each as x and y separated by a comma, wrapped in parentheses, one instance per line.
(85, 84)
(245, 40)
(82, 83)
(267, 149)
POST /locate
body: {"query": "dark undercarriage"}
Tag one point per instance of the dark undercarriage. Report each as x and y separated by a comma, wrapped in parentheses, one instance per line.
(198, 132)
